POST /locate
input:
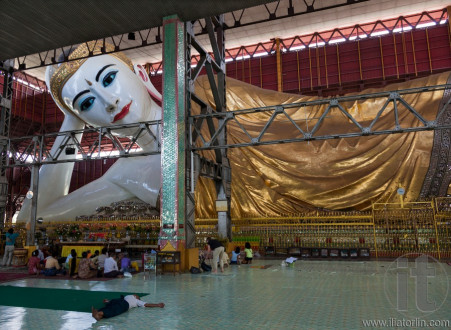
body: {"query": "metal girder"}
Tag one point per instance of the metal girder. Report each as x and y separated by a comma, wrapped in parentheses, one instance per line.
(301, 8)
(98, 143)
(149, 37)
(303, 132)
(212, 170)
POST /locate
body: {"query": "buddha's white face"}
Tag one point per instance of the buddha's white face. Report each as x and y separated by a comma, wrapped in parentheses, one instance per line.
(104, 92)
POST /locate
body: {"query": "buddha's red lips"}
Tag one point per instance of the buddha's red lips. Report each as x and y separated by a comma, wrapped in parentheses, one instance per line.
(123, 112)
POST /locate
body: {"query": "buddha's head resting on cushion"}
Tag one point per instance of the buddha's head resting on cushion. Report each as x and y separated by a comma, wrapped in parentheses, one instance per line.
(103, 90)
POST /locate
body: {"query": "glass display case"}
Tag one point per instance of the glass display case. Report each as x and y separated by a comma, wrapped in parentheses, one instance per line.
(168, 258)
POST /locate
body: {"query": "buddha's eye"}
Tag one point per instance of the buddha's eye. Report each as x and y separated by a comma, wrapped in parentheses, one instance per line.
(109, 78)
(87, 103)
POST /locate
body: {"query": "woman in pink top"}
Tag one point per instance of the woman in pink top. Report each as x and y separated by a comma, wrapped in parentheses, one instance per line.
(34, 263)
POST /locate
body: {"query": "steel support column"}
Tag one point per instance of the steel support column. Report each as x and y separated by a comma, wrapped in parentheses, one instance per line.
(215, 68)
(173, 160)
(193, 160)
(5, 118)
(34, 204)
(223, 185)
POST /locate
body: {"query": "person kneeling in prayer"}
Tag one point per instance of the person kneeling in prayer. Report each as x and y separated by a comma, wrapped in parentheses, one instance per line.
(120, 305)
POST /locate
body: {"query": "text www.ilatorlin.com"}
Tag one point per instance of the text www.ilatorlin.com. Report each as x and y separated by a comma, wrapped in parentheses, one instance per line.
(416, 322)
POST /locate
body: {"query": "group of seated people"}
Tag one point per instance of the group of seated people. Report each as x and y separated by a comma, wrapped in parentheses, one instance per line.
(47, 264)
(88, 266)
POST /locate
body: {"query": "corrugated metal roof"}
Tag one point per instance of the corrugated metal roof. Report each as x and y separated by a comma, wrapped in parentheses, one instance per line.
(29, 27)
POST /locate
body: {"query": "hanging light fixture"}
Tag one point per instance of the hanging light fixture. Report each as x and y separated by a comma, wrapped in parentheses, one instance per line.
(131, 36)
(70, 149)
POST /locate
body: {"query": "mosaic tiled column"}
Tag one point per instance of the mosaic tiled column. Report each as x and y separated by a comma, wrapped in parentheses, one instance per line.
(173, 134)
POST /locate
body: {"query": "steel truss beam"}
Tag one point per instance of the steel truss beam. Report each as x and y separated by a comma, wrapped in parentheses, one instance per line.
(35, 150)
(393, 101)
(98, 143)
(278, 10)
(29, 150)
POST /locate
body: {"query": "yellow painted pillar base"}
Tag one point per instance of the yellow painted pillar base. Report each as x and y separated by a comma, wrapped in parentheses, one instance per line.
(192, 258)
(30, 249)
(230, 246)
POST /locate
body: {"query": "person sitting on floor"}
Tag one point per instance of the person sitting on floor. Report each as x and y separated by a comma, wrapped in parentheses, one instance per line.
(249, 254)
(101, 262)
(236, 258)
(119, 257)
(126, 264)
(73, 263)
(52, 267)
(111, 269)
(86, 268)
(41, 255)
(95, 257)
(34, 265)
(68, 258)
(120, 305)
(225, 260)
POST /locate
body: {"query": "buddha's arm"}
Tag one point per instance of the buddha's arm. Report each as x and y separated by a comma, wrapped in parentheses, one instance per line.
(54, 179)
(84, 200)
(59, 175)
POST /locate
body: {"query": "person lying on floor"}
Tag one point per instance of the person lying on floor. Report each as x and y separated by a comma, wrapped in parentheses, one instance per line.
(120, 305)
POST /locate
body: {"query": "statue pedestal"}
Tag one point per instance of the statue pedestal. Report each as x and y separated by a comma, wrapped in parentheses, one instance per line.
(20, 257)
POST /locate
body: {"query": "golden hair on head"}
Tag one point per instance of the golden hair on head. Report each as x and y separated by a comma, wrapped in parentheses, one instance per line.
(76, 59)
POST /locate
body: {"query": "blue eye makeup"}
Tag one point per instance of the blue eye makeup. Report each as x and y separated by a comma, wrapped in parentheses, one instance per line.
(109, 78)
(87, 103)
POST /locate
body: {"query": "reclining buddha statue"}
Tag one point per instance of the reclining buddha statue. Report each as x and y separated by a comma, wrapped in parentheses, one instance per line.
(338, 174)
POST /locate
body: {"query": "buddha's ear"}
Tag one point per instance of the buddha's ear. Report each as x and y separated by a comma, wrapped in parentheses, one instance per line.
(142, 74)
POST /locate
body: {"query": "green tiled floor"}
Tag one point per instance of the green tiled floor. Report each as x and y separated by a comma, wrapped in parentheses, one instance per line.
(312, 295)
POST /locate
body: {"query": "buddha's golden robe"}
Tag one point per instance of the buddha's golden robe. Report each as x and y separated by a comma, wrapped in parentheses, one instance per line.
(348, 173)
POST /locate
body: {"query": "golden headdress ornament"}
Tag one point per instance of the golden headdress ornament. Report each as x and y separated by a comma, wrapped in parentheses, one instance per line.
(76, 59)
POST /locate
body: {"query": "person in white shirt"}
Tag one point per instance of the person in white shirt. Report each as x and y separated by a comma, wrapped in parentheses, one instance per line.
(41, 254)
(120, 305)
(111, 269)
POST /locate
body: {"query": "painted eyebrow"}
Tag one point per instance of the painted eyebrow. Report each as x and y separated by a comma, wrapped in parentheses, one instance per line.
(101, 70)
(78, 95)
